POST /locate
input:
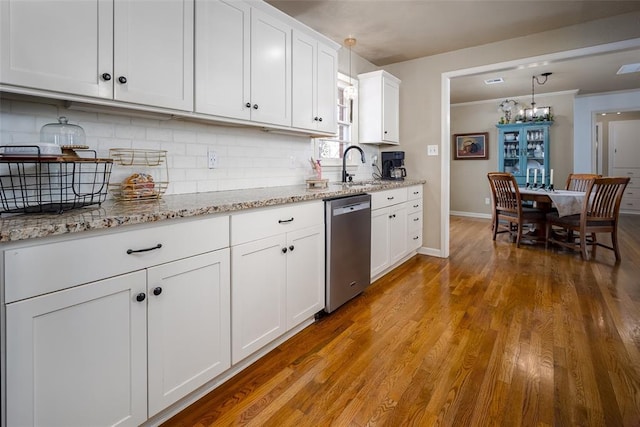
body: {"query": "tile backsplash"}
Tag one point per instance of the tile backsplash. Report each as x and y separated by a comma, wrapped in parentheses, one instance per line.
(247, 157)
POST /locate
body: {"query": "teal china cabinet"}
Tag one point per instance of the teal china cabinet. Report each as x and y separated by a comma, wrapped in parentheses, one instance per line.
(523, 146)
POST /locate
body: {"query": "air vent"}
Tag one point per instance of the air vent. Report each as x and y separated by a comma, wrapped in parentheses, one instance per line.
(494, 81)
(629, 68)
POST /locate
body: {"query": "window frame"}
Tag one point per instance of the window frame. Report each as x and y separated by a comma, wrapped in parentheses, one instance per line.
(342, 82)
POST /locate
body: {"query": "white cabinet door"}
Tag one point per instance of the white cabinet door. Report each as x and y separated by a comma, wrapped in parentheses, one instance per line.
(304, 81)
(258, 295)
(270, 70)
(57, 46)
(314, 83)
(78, 357)
(153, 47)
(188, 326)
(327, 89)
(397, 233)
(223, 34)
(379, 240)
(390, 111)
(305, 274)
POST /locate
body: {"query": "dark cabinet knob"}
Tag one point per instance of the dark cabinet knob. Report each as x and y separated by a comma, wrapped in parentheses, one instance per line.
(106, 77)
(320, 119)
(291, 248)
(385, 132)
(284, 250)
(248, 105)
(157, 291)
(122, 79)
(255, 106)
(140, 297)
(315, 119)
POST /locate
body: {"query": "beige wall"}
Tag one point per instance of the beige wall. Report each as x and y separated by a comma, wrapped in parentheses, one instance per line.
(468, 180)
(421, 89)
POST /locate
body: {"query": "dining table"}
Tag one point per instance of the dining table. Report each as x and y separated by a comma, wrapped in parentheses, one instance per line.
(566, 202)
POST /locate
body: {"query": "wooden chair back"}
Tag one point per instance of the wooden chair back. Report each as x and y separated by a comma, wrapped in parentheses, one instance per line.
(602, 200)
(580, 181)
(505, 193)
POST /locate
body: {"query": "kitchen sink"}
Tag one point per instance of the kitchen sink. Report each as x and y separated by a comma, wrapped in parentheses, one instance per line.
(358, 184)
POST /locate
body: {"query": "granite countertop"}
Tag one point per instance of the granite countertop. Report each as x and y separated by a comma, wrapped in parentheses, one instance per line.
(114, 214)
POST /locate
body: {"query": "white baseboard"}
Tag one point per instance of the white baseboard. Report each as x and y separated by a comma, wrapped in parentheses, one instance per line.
(471, 214)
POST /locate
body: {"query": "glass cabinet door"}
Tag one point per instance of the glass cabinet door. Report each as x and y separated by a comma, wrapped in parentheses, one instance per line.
(535, 139)
(512, 152)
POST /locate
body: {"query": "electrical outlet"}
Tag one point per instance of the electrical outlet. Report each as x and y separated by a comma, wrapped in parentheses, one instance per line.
(432, 150)
(212, 159)
(374, 160)
(487, 201)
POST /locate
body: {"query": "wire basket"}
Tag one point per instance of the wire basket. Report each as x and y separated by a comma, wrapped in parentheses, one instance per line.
(45, 184)
(149, 180)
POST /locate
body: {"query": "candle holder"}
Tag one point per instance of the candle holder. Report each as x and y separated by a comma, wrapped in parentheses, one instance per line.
(551, 187)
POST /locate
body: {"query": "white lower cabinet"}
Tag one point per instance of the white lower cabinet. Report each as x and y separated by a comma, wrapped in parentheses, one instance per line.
(188, 324)
(278, 280)
(118, 350)
(78, 357)
(396, 226)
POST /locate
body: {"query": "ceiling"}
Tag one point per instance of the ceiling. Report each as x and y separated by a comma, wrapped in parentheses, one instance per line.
(390, 31)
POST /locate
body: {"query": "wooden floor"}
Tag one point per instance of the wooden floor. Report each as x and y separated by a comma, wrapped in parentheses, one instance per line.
(492, 336)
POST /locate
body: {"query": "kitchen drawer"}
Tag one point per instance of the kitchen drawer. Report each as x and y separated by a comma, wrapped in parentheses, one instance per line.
(414, 221)
(43, 268)
(414, 192)
(414, 205)
(382, 199)
(414, 240)
(261, 223)
(630, 202)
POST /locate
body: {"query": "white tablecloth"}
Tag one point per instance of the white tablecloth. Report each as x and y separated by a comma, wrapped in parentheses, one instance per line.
(567, 202)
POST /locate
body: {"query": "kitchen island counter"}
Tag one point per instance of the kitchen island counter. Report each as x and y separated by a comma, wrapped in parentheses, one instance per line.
(16, 227)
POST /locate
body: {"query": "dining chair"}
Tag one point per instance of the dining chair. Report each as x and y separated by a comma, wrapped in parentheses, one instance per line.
(580, 181)
(600, 211)
(508, 213)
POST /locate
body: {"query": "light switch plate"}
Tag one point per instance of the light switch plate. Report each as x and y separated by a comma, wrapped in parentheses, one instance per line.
(432, 150)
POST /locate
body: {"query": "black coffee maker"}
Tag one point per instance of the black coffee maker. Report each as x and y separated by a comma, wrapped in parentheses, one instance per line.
(392, 165)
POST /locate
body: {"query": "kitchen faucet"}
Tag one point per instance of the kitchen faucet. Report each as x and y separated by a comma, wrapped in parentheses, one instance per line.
(345, 175)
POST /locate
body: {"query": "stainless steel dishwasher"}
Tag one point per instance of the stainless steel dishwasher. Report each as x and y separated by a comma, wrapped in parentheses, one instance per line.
(348, 248)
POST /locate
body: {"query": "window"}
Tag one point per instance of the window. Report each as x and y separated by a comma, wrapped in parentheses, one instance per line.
(329, 150)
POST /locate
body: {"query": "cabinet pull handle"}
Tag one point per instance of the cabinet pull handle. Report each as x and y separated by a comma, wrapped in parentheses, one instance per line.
(415, 206)
(385, 132)
(315, 119)
(392, 216)
(140, 297)
(135, 251)
(291, 248)
(255, 106)
(106, 77)
(157, 291)
(320, 119)
(390, 198)
(284, 250)
(416, 219)
(122, 79)
(284, 221)
(248, 105)
(416, 238)
(416, 192)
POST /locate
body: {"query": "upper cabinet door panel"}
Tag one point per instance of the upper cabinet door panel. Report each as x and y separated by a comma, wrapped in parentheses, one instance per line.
(327, 88)
(391, 111)
(223, 31)
(62, 46)
(153, 44)
(304, 81)
(270, 70)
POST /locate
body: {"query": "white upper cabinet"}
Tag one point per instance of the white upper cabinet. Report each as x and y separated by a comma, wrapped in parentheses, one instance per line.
(243, 63)
(128, 50)
(223, 33)
(57, 46)
(379, 108)
(153, 53)
(314, 84)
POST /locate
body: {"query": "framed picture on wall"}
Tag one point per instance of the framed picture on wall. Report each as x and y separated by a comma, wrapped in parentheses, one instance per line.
(471, 146)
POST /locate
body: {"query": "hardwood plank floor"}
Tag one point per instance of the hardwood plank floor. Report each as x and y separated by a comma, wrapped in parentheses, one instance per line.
(494, 335)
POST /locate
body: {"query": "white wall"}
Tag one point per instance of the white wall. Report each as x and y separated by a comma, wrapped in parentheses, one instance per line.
(248, 158)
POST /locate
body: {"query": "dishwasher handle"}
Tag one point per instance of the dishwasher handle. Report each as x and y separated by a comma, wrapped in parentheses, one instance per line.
(343, 210)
